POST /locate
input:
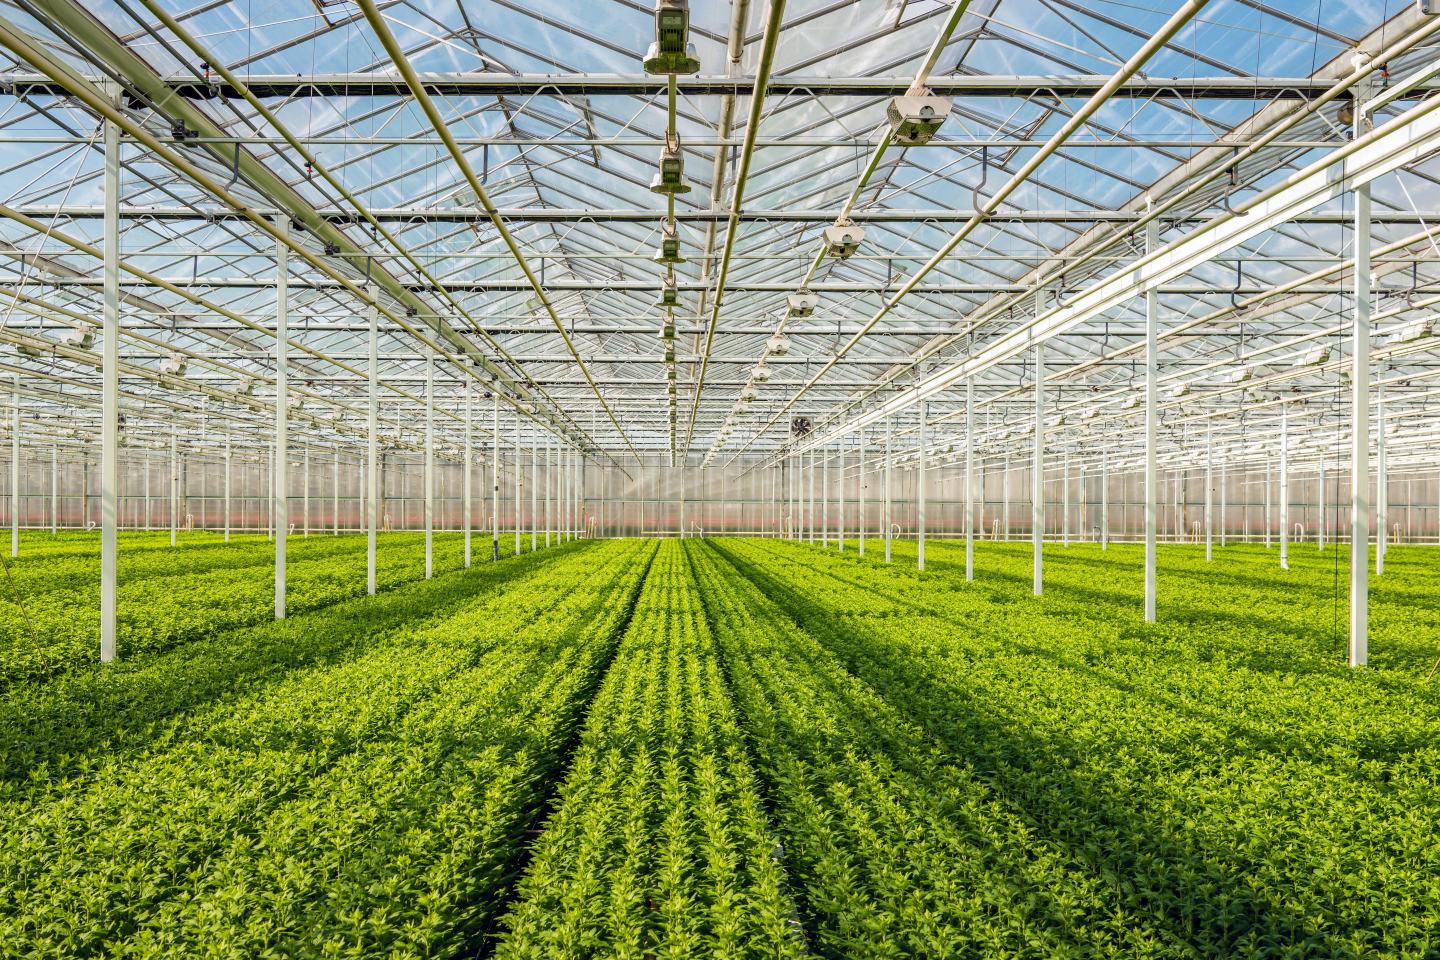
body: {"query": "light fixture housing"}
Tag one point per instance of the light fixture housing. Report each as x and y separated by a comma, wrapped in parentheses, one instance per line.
(1313, 357)
(914, 120)
(81, 338)
(1241, 375)
(173, 365)
(670, 178)
(669, 294)
(843, 239)
(669, 251)
(802, 303)
(1130, 403)
(667, 329)
(749, 394)
(1422, 329)
(778, 345)
(761, 374)
(1183, 390)
(672, 53)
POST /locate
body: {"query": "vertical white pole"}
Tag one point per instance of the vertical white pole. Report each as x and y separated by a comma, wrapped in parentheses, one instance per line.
(1223, 485)
(861, 483)
(1284, 487)
(840, 502)
(517, 482)
(534, 491)
(467, 492)
(824, 498)
(810, 501)
(54, 488)
(1360, 436)
(1005, 497)
(429, 477)
(1152, 414)
(549, 489)
(1320, 529)
(281, 486)
(1037, 470)
(1269, 520)
(920, 489)
(227, 489)
(110, 390)
(969, 478)
(495, 480)
(1209, 491)
(1382, 484)
(1065, 502)
(15, 466)
(174, 481)
(1104, 498)
(305, 490)
(335, 494)
(372, 450)
(889, 463)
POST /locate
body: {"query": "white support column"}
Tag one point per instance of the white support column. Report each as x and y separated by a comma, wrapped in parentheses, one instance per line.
(921, 453)
(1269, 518)
(1065, 501)
(810, 501)
(1224, 482)
(549, 489)
(889, 463)
(372, 450)
(860, 482)
(1360, 437)
(1322, 518)
(1152, 419)
(495, 479)
(517, 483)
(534, 491)
(840, 502)
(54, 489)
(174, 482)
(281, 483)
(1104, 498)
(305, 491)
(467, 492)
(228, 468)
(1382, 483)
(335, 494)
(429, 478)
(110, 389)
(1005, 497)
(825, 499)
(15, 465)
(1284, 486)
(1037, 471)
(969, 478)
(1209, 492)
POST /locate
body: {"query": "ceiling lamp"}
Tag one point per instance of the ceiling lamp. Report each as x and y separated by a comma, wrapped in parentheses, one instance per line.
(1313, 357)
(1242, 375)
(802, 303)
(667, 329)
(672, 52)
(670, 179)
(1181, 391)
(1130, 403)
(778, 345)
(749, 394)
(1415, 330)
(669, 294)
(761, 373)
(173, 365)
(81, 338)
(914, 121)
(669, 251)
(843, 239)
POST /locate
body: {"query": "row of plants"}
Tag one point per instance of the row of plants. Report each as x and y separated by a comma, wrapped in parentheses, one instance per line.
(898, 848)
(372, 807)
(58, 630)
(659, 845)
(1225, 788)
(50, 725)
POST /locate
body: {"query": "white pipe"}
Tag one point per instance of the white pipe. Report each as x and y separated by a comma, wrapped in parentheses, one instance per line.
(1360, 436)
(372, 450)
(1037, 470)
(969, 479)
(1152, 416)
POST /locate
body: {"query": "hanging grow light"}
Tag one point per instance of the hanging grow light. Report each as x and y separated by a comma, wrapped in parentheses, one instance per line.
(1422, 329)
(761, 373)
(914, 121)
(672, 53)
(1241, 375)
(669, 251)
(173, 365)
(1130, 403)
(669, 294)
(81, 338)
(667, 329)
(1313, 357)
(1181, 391)
(843, 239)
(778, 345)
(802, 303)
(749, 394)
(670, 178)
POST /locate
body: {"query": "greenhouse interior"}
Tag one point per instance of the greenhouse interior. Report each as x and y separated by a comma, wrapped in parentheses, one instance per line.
(747, 479)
